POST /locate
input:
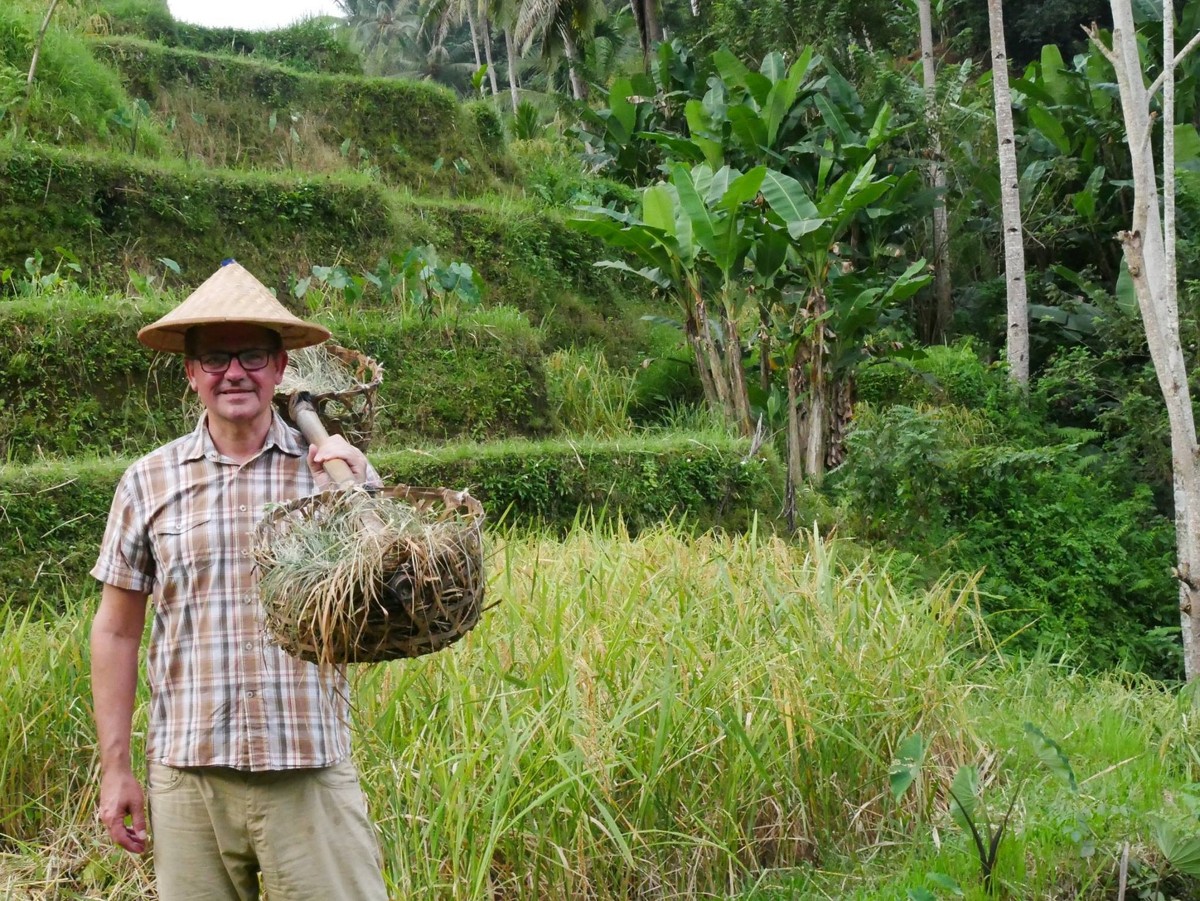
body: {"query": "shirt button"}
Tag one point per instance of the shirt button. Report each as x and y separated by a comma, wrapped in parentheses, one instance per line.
(249, 694)
(245, 552)
(242, 508)
(249, 646)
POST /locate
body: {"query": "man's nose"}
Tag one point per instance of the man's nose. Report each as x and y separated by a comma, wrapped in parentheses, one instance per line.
(231, 373)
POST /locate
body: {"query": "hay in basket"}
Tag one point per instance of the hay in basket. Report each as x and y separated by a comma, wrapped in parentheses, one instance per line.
(342, 384)
(355, 577)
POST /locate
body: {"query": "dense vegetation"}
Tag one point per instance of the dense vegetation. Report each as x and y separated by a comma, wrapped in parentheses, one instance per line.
(653, 280)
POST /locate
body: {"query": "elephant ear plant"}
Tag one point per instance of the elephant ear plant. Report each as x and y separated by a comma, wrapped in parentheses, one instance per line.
(966, 805)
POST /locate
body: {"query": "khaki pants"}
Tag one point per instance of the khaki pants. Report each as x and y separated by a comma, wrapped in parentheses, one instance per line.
(214, 830)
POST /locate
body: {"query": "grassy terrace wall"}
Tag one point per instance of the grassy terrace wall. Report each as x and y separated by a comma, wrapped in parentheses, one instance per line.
(74, 379)
(117, 214)
(54, 513)
(228, 111)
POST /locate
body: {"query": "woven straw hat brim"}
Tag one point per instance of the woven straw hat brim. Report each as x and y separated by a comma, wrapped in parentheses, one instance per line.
(231, 294)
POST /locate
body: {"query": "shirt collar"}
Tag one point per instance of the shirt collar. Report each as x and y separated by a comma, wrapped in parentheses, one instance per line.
(199, 443)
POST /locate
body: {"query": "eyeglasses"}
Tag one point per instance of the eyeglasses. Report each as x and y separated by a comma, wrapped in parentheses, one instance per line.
(252, 359)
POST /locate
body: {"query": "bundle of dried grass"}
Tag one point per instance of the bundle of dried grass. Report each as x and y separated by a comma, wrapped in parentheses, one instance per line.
(342, 384)
(354, 577)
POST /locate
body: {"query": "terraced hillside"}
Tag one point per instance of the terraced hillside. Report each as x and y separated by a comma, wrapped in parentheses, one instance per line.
(392, 211)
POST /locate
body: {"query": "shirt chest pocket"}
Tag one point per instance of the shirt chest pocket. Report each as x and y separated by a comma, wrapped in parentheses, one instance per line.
(184, 549)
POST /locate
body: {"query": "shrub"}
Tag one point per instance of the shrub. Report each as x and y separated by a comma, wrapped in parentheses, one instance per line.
(1079, 560)
(255, 113)
(55, 512)
(74, 380)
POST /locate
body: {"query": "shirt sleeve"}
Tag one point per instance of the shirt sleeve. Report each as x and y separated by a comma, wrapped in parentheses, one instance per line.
(125, 559)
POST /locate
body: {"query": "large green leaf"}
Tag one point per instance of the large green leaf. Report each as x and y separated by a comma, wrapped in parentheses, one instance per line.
(773, 66)
(1043, 120)
(1181, 849)
(624, 114)
(744, 188)
(910, 756)
(717, 186)
(658, 209)
(964, 795)
(693, 206)
(1084, 200)
(1050, 754)
(1126, 294)
(731, 69)
(679, 147)
(782, 100)
(834, 120)
(749, 129)
(1187, 147)
(786, 197)
(769, 255)
(1052, 74)
(879, 128)
(654, 275)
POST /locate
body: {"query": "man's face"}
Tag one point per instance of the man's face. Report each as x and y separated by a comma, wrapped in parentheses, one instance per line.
(236, 396)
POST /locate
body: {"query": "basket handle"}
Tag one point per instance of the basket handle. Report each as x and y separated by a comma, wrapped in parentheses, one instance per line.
(304, 414)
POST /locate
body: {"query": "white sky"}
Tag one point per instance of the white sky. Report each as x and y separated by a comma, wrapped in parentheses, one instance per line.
(253, 14)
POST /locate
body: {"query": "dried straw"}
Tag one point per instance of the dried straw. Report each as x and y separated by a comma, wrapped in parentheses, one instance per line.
(316, 370)
(348, 576)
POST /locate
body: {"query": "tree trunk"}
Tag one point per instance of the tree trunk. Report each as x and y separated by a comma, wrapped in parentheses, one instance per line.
(487, 52)
(1010, 203)
(816, 412)
(474, 38)
(578, 88)
(944, 306)
(738, 395)
(512, 67)
(692, 330)
(795, 440)
(1150, 266)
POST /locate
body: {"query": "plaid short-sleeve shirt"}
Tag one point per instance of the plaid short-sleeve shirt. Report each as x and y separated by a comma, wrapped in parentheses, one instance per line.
(223, 693)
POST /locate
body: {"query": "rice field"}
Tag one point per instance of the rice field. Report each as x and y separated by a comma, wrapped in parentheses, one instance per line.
(670, 716)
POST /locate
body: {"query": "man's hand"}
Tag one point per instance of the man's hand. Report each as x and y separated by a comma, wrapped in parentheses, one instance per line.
(121, 799)
(336, 448)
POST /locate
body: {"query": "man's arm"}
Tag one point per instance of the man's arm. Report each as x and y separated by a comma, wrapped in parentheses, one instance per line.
(116, 636)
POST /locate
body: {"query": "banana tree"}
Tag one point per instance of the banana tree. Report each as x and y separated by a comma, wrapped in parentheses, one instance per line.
(693, 235)
(822, 321)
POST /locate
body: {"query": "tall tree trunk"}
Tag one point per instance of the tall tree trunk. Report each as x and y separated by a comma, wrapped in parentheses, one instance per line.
(1010, 203)
(736, 374)
(512, 67)
(795, 439)
(645, 14)
(1148, 256)
(571, 49)
(944, 306)
(474, 37)
(487, 51)
(695, 331)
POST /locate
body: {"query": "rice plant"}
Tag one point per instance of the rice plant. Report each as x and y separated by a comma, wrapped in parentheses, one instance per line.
(668, 717)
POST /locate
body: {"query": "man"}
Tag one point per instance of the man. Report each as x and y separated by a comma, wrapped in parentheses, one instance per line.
(249, 773)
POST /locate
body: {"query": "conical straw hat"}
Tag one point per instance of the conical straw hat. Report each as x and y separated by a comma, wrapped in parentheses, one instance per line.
(231, 294)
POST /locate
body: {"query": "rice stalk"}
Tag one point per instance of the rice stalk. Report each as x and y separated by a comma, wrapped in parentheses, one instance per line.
(325, 567)
(316, 370)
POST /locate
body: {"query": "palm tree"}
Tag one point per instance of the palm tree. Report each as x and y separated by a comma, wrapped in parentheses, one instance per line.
(378, 28)
(561, 24)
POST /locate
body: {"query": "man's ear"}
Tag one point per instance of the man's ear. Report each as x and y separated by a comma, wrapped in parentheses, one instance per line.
(189, 369)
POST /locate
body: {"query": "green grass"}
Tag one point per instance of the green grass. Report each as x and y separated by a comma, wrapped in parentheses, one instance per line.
(668, 717)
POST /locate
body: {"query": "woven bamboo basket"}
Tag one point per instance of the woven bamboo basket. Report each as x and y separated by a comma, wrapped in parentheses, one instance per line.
(347, 404)
(422, 598)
